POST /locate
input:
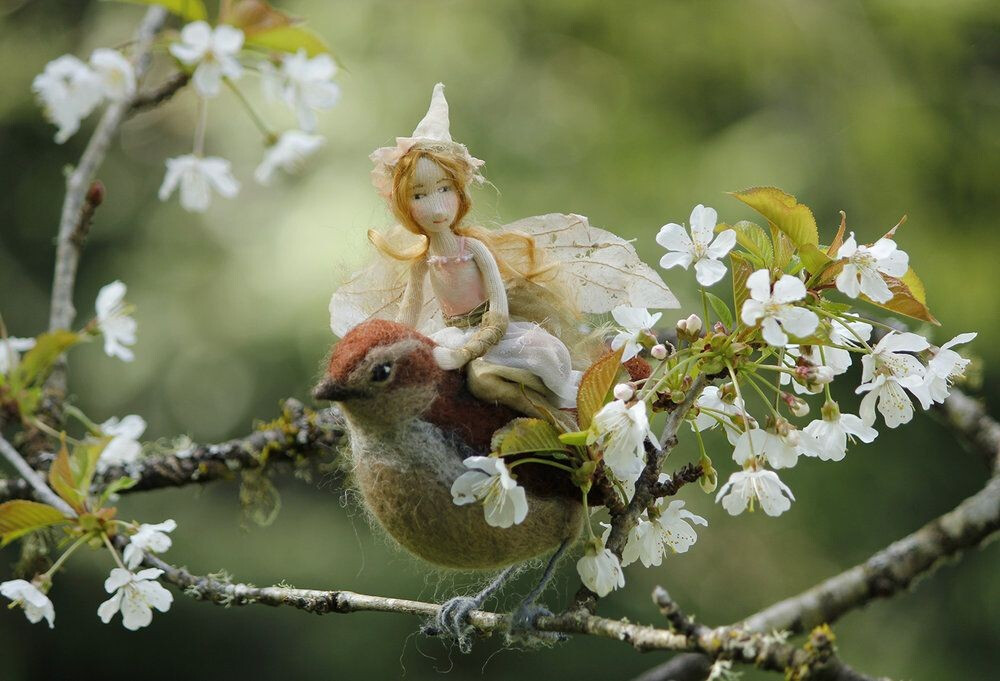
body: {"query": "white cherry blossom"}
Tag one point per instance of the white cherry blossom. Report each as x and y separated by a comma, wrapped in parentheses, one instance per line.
(135, 594)
(68, 91)
(864, 266)
(115, 72)
(600, 570)
(305, 85)
(622, 432)
(124, 447)
(197, 177)
(780, 450)
(886, 372)
(114, 322)
(827, 438)
(763, 485)
(213, 51)
(36, 604)
(775, 311)
(849, 333)
(712, 398)
(944, 367)
(10, 352)
(635, 322)
(288, 153)
(699, 248)
(151, 538)
(669, 528)
(489, 481)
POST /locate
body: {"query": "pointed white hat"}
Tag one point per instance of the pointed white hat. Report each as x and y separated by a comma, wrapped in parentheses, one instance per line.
(434, 129)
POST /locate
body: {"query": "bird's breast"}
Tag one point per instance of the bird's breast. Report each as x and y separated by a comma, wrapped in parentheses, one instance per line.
(406, 480)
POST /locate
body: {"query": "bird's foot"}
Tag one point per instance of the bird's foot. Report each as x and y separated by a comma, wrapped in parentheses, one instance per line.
(452, 621)
(522, 624)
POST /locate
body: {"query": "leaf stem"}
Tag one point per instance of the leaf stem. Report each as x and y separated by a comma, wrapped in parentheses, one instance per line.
(547, 462)
(269, 135)
(114, 552)
(66, 554)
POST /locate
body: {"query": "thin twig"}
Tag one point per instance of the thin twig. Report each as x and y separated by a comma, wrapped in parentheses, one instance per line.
(153, 98)
(33, 478)
(622, 524)
(61, 313)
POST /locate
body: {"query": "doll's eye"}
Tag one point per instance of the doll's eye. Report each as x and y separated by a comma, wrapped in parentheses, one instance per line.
(381, 372)
(417, 197)
(445, 189)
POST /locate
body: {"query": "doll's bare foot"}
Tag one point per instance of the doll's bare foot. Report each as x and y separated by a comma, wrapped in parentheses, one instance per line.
(452, 619)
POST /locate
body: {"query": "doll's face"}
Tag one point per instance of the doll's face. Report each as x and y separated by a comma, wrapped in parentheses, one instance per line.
(433, 197)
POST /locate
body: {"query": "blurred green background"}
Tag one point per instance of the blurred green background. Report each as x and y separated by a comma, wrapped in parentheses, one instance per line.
(629, 113)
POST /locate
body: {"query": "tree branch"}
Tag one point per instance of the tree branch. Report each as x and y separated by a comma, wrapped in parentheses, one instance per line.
(764, 651)
(298, 432)
(895, 568)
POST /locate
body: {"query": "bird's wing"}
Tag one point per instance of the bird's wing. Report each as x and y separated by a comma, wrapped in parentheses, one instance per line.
(376, 291)
(601, 269)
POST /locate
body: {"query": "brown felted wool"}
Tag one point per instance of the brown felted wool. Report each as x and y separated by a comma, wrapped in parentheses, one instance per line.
(411, 426)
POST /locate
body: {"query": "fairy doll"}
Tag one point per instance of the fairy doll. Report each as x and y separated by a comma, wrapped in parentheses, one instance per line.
(506, 304)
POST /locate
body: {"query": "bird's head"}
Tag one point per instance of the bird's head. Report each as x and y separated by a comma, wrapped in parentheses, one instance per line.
(381, 372)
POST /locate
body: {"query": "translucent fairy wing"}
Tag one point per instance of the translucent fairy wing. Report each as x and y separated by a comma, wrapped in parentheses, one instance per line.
(376, 291)
(601, 269)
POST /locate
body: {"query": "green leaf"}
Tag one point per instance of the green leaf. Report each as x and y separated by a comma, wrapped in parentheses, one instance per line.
(752, 237)
(191, 10)
(63, 481)
(116, 486)
(577, 438)
(525, 435)
(37, 363)
(20, 516)
(783, 212)
(259, 498)
(84, 463)
(908, 297)
(783, 248)
(595, 385)
(742, 269)
(721, 310)
(289, 39)
(814, 259)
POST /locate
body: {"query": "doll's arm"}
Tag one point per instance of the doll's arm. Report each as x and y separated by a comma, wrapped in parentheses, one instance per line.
(494, 324)
(413, 296)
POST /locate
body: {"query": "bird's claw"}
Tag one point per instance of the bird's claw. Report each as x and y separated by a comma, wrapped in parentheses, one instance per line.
(452, 621)
(522, 623)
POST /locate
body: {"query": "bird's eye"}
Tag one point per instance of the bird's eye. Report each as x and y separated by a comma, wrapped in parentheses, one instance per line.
(381, 372)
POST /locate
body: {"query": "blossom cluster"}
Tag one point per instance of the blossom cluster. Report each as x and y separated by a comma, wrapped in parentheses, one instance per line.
(69, 90)
(133, 594)
(782, 345)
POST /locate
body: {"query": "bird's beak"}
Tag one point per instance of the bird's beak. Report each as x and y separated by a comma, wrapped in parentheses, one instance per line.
(329, 389)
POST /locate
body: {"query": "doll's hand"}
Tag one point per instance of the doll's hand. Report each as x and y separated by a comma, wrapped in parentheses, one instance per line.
(449, 359)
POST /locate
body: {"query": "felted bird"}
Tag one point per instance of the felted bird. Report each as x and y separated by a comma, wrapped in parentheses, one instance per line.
(411, 425)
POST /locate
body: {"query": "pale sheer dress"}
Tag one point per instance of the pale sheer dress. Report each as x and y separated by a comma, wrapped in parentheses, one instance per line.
(460, 291)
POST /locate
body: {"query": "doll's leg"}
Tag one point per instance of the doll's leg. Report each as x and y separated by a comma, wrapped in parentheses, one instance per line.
(452, 619)
(516, 388)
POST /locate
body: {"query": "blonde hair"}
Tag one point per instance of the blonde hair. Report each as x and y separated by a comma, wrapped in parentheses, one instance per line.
(531, 262)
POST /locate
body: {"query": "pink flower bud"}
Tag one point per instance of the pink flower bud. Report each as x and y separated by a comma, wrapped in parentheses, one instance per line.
(659, 351)
(624, 392)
